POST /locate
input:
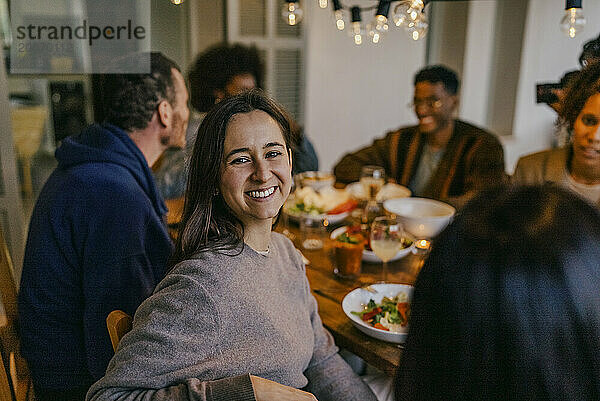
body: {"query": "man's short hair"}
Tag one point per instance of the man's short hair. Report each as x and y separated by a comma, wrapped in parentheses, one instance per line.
(439, 73)
(215, 68)
(130, 100)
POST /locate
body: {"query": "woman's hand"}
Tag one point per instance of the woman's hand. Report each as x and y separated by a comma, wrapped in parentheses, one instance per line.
(267, 390)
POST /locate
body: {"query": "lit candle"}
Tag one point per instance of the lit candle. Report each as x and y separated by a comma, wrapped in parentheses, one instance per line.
(423, 244)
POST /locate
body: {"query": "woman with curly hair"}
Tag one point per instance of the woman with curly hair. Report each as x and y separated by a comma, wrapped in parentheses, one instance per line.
(577, 165)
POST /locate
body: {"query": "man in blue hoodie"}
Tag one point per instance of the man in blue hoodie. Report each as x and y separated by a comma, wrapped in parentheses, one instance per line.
(97, 239)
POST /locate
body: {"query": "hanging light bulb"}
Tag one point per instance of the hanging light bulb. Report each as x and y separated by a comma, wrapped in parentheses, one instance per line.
(339, 15)
(379, 26)
(323, 3)
(291, 12)
(357, 30)
(573, 21)
(417, 29)
(407, 11)
(177, 2)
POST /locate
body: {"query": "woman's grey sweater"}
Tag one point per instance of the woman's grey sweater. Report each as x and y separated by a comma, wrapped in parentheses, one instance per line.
(219, 317)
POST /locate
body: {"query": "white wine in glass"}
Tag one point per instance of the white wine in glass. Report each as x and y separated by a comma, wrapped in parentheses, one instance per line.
(386, 240)
(372, 179)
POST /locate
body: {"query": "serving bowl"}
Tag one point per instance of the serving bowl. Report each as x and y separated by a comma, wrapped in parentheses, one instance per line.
(388, 191)
(317, 180)
(355, 300)
(422, 217)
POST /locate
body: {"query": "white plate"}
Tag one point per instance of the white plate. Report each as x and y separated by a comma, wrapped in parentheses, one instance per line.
(369, 256)
(388, 191)
(355, 300)
(332, 218)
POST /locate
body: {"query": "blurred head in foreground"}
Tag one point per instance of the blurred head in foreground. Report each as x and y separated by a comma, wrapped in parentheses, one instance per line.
(507, 305)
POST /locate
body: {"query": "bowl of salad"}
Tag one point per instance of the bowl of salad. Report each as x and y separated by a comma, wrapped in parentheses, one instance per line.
(328, 203)
(383, 315)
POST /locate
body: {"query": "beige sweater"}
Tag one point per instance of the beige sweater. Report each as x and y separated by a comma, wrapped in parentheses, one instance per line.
(546, 166)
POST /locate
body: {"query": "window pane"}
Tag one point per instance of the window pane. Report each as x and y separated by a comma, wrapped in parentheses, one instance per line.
(252, 17)
(288, 69)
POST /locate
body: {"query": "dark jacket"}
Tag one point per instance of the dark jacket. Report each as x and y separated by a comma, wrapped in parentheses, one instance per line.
(97, 242)
(473, 160)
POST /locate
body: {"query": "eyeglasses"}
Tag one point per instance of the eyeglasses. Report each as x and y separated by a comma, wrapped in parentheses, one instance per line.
(432, 103)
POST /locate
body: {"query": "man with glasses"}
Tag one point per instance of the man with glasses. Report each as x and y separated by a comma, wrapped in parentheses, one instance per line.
(441, 157)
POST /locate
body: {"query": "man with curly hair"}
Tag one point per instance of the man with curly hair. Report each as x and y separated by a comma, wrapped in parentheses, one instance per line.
(97, 239)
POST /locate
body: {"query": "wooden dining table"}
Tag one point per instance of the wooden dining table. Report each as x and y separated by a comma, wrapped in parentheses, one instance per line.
(330, 290)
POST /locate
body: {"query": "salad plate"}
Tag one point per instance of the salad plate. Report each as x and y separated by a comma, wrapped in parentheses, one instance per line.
(329, 203)
(369, 256)
(356, 300)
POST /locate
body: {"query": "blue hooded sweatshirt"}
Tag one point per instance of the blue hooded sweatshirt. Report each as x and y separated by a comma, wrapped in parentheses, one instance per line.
(97, 242)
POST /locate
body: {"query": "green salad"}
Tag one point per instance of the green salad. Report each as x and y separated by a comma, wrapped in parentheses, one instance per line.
(390, 315)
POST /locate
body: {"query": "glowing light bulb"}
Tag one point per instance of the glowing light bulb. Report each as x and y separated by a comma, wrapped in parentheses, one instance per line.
(377, 28)
(323, 3)
(176, 2)
(417, 29)
(339, 20)
(407, 11)
(573, 22)
(292, 13)
(357, 33)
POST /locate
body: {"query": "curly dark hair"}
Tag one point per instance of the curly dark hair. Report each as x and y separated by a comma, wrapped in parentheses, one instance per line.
(207, 221)
(439, 73)
(590, 52)
(506, 306)
(130, 100)
(579, 90)
(214, 69)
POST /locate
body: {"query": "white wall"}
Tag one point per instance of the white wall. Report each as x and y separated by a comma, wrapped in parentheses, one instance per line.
(355, 93)
(547, 54)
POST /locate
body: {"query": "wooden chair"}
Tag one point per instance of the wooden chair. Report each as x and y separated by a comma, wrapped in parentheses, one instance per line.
(118, 323)
(15, 381)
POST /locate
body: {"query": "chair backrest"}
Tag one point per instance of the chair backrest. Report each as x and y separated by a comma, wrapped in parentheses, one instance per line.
(14, 368)
(118, 323)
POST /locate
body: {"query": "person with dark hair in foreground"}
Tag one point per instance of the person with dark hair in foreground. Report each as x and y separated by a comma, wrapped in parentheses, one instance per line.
(222, 71)
(442, 157)
(506, 306)
(575, 166)
(97, 241)
(234, 318)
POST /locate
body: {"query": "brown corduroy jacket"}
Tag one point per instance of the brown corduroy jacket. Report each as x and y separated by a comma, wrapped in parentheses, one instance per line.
(473, 160)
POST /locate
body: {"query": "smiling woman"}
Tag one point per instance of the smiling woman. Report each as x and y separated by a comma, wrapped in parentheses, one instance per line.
(576, 166)
(234, 319)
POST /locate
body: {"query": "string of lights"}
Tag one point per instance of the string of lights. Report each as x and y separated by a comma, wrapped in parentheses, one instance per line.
(407, 14)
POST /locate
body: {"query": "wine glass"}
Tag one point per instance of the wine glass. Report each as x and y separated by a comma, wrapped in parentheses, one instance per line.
(372, 179)
(386, 240)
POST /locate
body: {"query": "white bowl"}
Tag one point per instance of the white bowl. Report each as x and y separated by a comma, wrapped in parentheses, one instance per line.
(422, 217)
(388, 191)
(316, 179)
(369, 256)
(356, 299)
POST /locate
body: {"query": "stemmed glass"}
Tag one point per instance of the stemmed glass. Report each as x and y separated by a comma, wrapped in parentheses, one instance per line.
(386, 240)
(372, 179)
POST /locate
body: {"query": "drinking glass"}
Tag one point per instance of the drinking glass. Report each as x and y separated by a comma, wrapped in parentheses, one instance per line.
(386, 240)
(372, 179)
(313, 230)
